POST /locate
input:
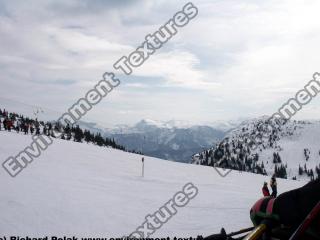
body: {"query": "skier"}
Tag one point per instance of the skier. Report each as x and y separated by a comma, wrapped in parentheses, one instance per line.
(37, 130)
(273, 185)
(285, 213)
(26, 128)
(31, 129)
(5, 124)
(265, 190)
(44, 130)
(9, 125)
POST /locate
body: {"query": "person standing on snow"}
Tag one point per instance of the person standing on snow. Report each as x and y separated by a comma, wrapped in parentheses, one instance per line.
(31, 129)
(265, 190)
(25, 128)
(9, 124)
(5, 124)
(273, 185)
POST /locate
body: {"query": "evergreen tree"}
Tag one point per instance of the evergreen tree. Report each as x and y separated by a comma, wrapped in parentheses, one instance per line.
(78, 134)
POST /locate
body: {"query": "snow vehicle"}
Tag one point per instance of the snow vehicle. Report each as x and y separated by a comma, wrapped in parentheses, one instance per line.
(294, 215)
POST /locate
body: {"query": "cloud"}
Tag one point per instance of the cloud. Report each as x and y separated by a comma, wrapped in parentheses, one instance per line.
(136, 85)
(235, 59)
(176, 68)
(76, 41)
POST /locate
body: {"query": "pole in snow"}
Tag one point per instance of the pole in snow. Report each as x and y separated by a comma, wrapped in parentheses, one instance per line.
(142, 166)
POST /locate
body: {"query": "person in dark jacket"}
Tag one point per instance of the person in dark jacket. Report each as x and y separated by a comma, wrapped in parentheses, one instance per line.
(273, 185)
(31, 129)
(5, 124)
(265, 190)
(25, 128)
(9, 124)
(37, 130)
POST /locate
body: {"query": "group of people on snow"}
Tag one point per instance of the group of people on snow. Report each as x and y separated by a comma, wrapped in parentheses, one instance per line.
(273, 185)
(14, 122)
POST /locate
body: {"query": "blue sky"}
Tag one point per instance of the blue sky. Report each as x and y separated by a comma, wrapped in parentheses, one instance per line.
(236, 59)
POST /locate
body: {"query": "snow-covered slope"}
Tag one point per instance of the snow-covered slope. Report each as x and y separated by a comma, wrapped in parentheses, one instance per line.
(83, 190)
(289, 144)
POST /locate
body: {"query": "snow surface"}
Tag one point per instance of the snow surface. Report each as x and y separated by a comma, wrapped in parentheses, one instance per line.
(89, 191)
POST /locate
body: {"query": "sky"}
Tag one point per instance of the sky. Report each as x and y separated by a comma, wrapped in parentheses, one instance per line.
(236, 59)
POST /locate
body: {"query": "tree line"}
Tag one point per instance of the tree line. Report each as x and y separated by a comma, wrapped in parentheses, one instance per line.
(11, 121)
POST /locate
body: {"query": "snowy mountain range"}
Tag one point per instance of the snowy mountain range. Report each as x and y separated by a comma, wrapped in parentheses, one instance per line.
(291, 149)
(171, 140)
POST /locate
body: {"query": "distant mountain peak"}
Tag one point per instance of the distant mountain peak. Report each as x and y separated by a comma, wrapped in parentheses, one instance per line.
(163, 124)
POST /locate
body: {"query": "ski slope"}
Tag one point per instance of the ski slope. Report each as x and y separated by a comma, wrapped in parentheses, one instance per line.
(305, 136)
(291, 140)
(78, 189)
